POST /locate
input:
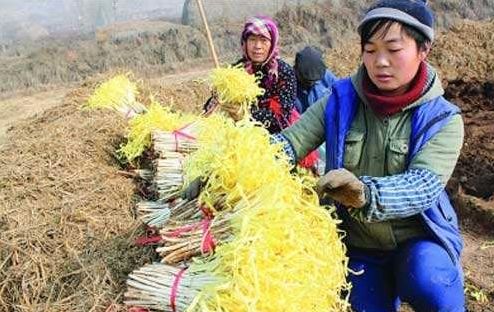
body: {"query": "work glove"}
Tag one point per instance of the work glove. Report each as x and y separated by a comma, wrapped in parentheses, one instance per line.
(344, 187)
(194, 188)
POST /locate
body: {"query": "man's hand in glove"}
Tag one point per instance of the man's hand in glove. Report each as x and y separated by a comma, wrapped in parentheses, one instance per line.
(344, 187)
(194, 188)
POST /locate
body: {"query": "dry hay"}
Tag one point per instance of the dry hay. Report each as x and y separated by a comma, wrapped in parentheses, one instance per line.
(66, 219)
(345, 59)
(187, 95)
(466, 52)
(319, 25)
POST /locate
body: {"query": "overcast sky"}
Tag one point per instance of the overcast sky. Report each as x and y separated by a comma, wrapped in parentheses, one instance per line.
(18, 17)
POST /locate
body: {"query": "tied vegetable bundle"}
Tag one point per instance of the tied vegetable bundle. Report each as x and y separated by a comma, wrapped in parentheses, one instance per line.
(235, 89)
(165, 288)
(156, 118)
(183, 240)
(158, 213)
(119, 94)
(237, 159)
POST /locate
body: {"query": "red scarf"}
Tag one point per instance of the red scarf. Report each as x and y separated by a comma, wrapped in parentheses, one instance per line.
(384, 105)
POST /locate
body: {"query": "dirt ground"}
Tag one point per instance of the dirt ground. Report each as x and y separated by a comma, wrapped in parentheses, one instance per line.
(67, 219)
(472, 186)
(19, 107)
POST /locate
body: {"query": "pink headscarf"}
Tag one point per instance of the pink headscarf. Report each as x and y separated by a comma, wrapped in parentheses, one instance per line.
(266, 27)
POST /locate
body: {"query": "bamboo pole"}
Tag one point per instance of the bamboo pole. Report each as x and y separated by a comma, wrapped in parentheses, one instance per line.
(208, 34)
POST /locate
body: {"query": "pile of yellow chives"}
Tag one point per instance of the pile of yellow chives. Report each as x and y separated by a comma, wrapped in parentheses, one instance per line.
(283, 257)
(286, 253)
(157, 117)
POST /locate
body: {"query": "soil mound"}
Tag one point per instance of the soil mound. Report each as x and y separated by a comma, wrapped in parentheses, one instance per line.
(466, 52)
(476, 165)
(319, 25)
(147, 47)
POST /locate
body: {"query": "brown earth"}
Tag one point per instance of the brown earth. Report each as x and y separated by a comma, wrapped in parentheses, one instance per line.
(472, 186)
(475, 169)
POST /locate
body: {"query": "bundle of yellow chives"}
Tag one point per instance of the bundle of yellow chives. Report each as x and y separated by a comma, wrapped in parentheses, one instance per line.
(158, 213)
(285, 256)
(237, 159)
(235, 87)
(161, 287)
(180, 241)
(119, 94)
(157, 117)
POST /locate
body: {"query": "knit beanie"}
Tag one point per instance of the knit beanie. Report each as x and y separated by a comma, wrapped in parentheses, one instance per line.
(309, 64)
(414, 13)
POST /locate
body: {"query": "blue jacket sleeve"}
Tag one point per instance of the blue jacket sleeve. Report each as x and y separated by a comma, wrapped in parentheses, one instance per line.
(400, 196)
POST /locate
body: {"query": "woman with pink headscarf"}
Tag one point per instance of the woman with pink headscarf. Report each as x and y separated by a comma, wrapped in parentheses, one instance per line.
(260, 51)
(275, 109)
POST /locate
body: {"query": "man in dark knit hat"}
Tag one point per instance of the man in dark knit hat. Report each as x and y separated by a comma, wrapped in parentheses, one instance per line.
(314, 80)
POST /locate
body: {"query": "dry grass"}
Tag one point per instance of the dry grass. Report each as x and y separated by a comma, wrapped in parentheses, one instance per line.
(466, 52)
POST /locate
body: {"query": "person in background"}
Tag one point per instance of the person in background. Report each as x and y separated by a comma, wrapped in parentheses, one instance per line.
(314, 80)
(392, 143)
(260, 56)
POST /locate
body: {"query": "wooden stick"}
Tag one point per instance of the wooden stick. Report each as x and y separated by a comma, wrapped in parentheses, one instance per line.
(208, 34)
